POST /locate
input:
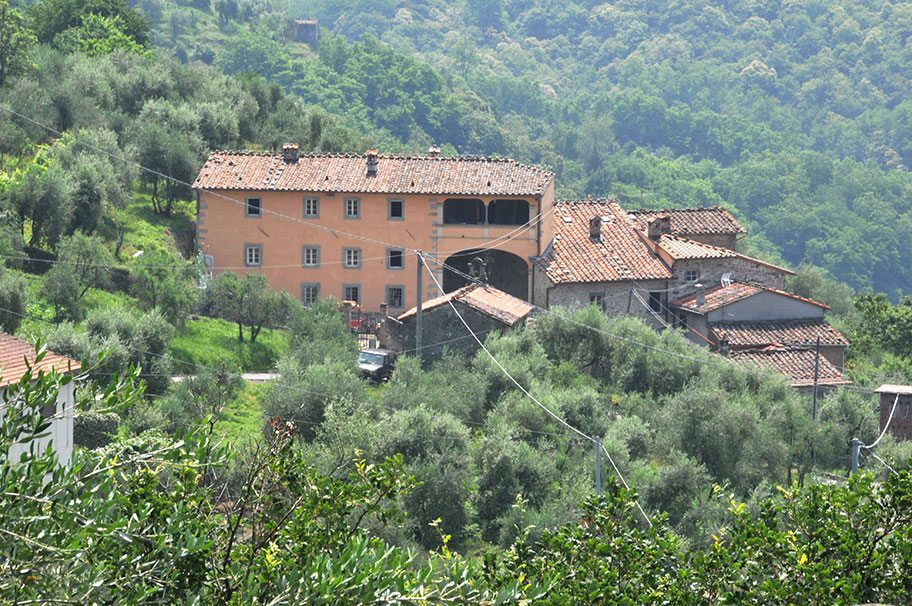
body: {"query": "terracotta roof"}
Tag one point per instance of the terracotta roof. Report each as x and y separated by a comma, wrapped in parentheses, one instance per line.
(618, 255)
(682, 248)
(796, 363)
(347, 173)
(678, 248)
(13, 353)
(490, 301)
(782, 332)
(690, 221)
(720, 296)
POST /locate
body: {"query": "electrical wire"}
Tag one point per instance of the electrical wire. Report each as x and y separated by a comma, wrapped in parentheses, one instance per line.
(886, 427)
(337, 232)
(523, 389)
(185, 266)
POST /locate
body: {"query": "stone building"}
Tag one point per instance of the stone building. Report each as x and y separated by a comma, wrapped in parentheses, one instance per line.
(597, 257)
(632, 263)
(306, 31)
(766, 327)
(484, 309)
(901, 397)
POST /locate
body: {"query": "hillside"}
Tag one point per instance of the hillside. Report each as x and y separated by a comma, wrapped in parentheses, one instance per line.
(794, 114)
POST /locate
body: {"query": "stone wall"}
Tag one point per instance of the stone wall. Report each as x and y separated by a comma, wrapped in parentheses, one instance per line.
(616, 297)
(712, 270)
(729, 241)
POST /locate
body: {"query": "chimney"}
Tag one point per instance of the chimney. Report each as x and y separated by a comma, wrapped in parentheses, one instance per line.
(658, 226)
(290, 152)
(434, 151)
(701, 295)
(373, 161)
(595, 228)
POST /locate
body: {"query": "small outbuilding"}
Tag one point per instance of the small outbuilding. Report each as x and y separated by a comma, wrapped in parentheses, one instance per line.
(484, 308)
(17, 358)
(898, 399)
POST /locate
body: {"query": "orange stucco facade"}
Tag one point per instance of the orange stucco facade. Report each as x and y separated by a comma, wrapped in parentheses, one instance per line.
(281, 231)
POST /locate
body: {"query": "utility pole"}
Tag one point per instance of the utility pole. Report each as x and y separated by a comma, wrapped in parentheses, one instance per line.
(816, 378)
(856, 446)
(598, 465)
(418, 297)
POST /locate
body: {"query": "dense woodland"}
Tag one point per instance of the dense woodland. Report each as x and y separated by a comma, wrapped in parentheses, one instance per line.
(447, 483)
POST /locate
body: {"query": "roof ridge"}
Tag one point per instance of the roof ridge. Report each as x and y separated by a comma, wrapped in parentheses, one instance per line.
(393, 156)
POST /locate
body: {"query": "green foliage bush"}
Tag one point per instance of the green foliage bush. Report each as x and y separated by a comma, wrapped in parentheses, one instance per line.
(94, 430)
(13, 300)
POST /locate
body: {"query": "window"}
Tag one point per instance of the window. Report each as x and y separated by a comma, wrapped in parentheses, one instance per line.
(395, 258)
(253, 255)
(351, 292)
(352, 208)
(310, 256)
(395, 296)
(310, 292)
(253, 207)
(597, 299)
(351, 257)
(396, 209)
(655, 301)
(311, 207)
(680, 321)
(691, 275)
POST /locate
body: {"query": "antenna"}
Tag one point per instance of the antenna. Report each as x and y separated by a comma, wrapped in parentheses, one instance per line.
(727, 279)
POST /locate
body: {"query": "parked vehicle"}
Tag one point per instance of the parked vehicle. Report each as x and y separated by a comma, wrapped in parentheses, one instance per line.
(377, 364)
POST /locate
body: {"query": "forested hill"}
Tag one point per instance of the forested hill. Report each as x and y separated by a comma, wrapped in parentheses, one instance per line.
(793, 114)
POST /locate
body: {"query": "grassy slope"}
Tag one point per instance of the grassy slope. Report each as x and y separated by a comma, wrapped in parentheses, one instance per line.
(207, 340)
(242, 419)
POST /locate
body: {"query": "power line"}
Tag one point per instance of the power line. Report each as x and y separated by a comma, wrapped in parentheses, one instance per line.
(332, 230)
(526, 391)
(187, 265)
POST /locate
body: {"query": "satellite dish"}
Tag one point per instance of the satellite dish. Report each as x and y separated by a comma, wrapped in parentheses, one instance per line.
(727, 279)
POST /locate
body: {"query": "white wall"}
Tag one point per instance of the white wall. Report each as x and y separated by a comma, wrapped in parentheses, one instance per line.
(60, 433)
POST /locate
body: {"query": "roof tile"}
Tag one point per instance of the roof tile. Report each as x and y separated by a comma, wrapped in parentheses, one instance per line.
(720, 296)
(490, 301)
(13, 355)
(782, 332)
(693, 221)
(347, 173)
(618, 255)
(796, 363)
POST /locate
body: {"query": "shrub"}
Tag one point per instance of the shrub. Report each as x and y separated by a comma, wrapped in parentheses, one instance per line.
(93, 429)
(13, 300)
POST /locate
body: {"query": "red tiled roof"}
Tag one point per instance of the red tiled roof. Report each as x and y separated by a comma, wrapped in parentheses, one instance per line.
(490, 301)
(690, 221)
(617, 256)
(347, 173)
(681, 248)
(796, 363)
(13, 353)
(782, 332)
(720, 296)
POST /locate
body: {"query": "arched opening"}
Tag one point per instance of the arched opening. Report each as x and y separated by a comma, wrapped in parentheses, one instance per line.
(508, 212)
(463, 211)
(505, 271)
